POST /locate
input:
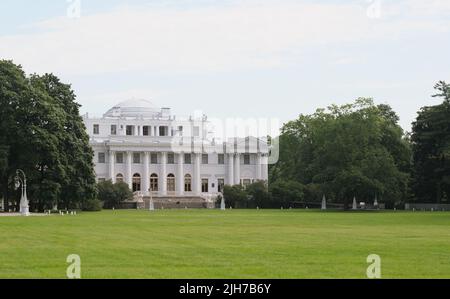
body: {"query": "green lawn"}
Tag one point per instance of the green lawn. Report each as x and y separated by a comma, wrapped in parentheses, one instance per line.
(227, 244)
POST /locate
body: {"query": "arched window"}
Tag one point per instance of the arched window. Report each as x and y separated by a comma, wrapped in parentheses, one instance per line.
(154, 182)
(136, 182)
(119, 178)
(171, 183)
(187, 183)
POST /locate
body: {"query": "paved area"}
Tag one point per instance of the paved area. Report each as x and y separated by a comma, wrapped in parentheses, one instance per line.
(18, 214)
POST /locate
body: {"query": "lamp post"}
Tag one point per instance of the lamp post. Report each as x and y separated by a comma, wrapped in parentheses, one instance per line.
(24, 208)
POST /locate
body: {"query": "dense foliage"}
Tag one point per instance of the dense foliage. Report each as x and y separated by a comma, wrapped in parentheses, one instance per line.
(355, 150)
(259, 195)
(92, 205)
(345, 151)
(113, 194)
(42, 133)
(431, 146)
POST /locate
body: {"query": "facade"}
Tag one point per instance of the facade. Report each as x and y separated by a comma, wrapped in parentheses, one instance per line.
(159, 154)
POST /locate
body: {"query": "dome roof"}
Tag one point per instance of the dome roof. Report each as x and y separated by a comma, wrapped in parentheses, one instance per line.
(134, 108)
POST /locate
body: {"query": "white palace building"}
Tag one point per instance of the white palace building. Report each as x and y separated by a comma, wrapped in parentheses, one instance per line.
(170, 159)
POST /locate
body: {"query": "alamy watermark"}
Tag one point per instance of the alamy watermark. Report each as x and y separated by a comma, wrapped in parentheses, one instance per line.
(374, 269)
(73, 9)
(374, 9)
(74, 269)
(233, 135)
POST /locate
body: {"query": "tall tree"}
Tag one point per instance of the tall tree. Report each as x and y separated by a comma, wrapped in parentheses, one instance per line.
(13, 91)
(431, 149)
(344, 151)
(43, 134)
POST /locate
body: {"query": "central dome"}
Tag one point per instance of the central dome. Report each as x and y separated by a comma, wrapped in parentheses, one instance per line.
(134, 108)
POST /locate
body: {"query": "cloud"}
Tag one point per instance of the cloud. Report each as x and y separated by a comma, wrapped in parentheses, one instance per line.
(244, 35)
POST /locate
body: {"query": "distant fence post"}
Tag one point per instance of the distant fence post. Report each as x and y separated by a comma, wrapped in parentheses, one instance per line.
(427, 206)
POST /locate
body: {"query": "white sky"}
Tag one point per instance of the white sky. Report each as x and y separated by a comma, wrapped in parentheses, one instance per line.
(235, 58)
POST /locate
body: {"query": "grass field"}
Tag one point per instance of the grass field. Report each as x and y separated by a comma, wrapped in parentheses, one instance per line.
(227, 244)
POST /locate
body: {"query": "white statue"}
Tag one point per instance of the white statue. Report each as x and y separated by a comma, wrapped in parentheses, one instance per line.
(151, 205)
(222, 204)
(324, 203)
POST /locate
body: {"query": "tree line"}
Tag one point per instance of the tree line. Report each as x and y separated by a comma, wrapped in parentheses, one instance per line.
(353, 150)
(359, 150)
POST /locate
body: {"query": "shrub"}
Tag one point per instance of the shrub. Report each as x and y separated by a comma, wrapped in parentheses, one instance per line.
(286, 192)
(234, 196)
(92, 205)
(113, 194)
(123, 192)
(258, 195)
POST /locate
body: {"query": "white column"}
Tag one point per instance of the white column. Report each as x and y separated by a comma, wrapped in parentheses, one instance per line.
(146, 176)
(197, 178)
(163, 178)
(258, 167)
(112, 160)
(237, 169)
(230, 169)
(180, 175)
(129, 177)
(265, 167)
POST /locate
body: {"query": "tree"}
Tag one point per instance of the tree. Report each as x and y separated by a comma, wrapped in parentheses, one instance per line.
(13, 89)
(258, 195)
(344, 151)
(284, 192)
(235, 196)
(113, 194)
(42, 133)
(431, 150)
(123, 191)
(77, 155)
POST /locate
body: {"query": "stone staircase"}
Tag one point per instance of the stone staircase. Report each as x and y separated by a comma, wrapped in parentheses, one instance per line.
(177, 202)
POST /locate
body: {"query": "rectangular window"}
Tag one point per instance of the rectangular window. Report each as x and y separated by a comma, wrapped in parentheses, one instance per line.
(180, 130)
(205, 159)
(163, 131)
(196, 131)
(137, 158)
(146, 130)
(154, 158)
(221, 159)
(246, 159)
(205, 185)
(220, 184)
(119, 158)
(187, 159)
(113, 130)
(101, 158)
(170, 159)
(130, 130)
(96, 129)
(188, 183)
